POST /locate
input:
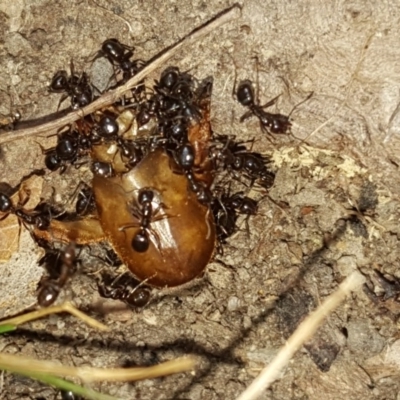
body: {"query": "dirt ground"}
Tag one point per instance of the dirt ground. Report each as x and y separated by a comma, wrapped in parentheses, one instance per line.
(334, 207)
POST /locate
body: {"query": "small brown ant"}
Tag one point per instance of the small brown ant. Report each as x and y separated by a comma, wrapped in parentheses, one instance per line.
(9, 122)
(61, 265)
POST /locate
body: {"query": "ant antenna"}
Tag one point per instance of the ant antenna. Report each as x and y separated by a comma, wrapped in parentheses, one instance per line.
(301, 102)
(234, 74)
(257, 79)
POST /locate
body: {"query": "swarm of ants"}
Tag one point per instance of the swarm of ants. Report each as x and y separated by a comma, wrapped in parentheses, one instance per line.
(161, 193)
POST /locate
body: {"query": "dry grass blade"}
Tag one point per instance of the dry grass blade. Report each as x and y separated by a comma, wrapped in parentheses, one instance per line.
(111, 96)
(65, 307)
(304, 332)
(19, 364)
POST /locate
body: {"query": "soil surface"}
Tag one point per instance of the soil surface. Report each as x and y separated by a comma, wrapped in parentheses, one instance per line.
(334, 207)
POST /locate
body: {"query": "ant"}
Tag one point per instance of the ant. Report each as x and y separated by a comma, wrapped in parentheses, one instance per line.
(8, 123)
(270, 122)
(71, 146)
(85, 203)
(226, 208)
(145, 214)
(124, 288)
(77, 87)
(184, 156)
(102, 169)
(234, 157)
(69, 395)
(176, 95)
(61, 265)
(40, 217)
(131, 151)
(274, 123)
(119, 54)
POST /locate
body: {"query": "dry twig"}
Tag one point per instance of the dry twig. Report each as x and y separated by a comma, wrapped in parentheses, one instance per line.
(113, 95)
(304, 332)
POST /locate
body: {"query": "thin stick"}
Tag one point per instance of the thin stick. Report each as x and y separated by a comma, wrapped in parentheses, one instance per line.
(304, 332)
(18, 364)
(43, 312)
(113, 95)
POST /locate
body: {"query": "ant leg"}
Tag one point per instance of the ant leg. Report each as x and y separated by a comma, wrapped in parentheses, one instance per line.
(155, 238)
(246, 115)
(63, 98)
(123, 228)
(301, 102)
(81, 185)
(268, 134)
(72, 68)
(139, 296)
(5, 216)
(235, 76)
(270, 103)
(257, 81)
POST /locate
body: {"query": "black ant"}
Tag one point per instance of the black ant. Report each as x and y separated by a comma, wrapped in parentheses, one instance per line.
(111, 258)
(184, 156)
(77, 87)
(235, 157)
(102, 169)
(270, 122)
(61, 265)
(85, 203)
(71, 146)
(131, 151)
(40, 217)
(226, 209)
(225, 220)
(241, 203)
(176, 95)
(145, 214)
(124, 288)
(119, 55)
(69, 395)
(115, 51)
(274, 123)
